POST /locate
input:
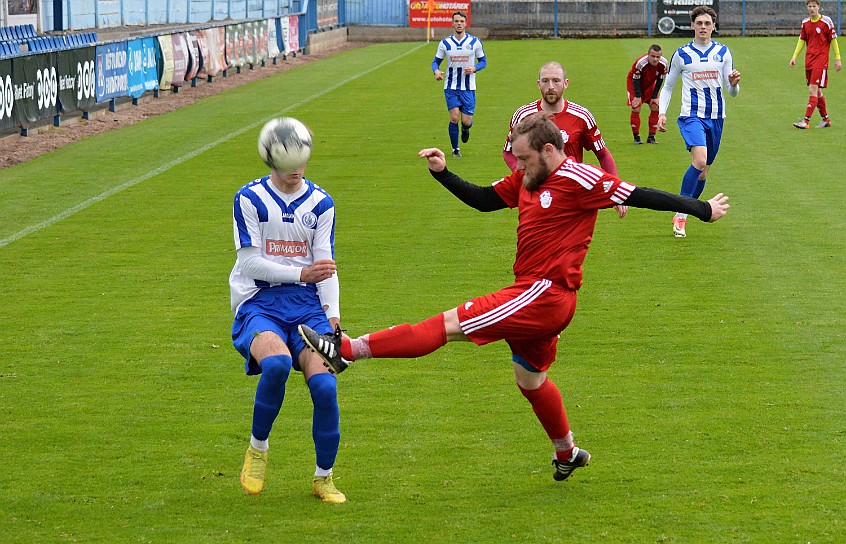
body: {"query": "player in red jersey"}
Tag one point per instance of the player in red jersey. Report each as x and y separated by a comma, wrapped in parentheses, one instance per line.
(578, 127)
(819, 34)
(644, 86)
(558, 199)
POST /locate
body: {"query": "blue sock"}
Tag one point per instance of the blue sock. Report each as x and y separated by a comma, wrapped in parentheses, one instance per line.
(326, 425)
(270, 393)
(453, 135)
(689, 181)
(466, 127)
(700, 186)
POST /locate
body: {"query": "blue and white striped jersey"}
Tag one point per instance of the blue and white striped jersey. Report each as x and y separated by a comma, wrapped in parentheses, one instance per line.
(293, 230)
(704, 71)
(459, 55)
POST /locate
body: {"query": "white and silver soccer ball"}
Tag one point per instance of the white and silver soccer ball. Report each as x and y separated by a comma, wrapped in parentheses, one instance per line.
(284, 144)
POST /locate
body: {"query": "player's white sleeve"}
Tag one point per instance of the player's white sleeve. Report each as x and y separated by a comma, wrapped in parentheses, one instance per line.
(328, 290)
(728, 68)
(259, 268)
(669, 83)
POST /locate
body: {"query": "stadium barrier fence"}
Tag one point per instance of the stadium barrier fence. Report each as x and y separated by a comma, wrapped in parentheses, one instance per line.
(565, 18)
(38, 86)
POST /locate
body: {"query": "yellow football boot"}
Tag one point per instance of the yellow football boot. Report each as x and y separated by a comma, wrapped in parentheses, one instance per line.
(252, 475)
(325, 490)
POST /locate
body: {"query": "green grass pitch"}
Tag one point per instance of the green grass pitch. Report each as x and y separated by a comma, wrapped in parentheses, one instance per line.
(705, 375)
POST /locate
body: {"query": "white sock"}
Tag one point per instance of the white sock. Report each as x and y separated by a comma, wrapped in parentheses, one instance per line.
(260, 445)
(321, 472)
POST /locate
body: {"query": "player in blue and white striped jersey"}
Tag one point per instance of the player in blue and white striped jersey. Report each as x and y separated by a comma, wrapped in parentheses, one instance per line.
(465, 56)
(705, 66)
(284, 276)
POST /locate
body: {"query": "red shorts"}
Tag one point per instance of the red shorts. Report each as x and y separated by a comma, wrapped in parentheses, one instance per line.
(817, 76)
(645, 95)
(528, 315)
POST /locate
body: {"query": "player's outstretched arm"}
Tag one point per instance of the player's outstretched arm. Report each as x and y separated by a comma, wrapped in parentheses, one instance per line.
(484, 199)
(436, 158)
(719, 207)
(655, 199)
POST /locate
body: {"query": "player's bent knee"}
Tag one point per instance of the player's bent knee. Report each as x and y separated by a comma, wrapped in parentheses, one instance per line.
(323, 388)
(526, 380)
(276, 368)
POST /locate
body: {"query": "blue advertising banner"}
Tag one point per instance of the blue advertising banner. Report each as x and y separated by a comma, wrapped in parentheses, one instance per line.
(112, 74)
(7, 95)
(141, 66)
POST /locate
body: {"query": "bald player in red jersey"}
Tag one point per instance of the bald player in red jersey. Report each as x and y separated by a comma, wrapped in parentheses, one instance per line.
(578, 127)
(558, 200)
(819, 34)
(643, 84)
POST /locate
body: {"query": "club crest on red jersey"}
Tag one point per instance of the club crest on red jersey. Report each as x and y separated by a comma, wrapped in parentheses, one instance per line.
(545, 199)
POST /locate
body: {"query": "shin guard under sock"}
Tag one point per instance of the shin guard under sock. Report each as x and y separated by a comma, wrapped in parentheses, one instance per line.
(408, 341)
(548, 406)
(689, 181)
(325, 427)
(453, 135)
(270, 393)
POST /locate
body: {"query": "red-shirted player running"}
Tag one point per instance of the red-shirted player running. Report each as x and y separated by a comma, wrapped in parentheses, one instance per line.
(819, 34)
(643, 84)
(558, 199)
(578, 127)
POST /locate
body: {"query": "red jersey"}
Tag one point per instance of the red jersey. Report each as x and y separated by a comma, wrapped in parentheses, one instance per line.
(818, 36)
(578, 128)
(556, 221)
(647, 74)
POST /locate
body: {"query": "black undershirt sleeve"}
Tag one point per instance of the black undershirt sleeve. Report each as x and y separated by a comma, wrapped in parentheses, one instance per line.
(636, 85)
(484, 199)
(655, 199)
(657, 90)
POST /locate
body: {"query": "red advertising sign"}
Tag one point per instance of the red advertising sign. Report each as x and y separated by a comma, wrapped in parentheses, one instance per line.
(435, 13)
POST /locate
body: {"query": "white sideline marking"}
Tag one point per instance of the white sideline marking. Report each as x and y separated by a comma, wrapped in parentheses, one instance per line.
(167, 166)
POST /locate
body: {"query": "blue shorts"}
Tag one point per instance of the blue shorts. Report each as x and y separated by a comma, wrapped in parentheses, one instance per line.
(702, 132)
(465, 101)
(278, 309)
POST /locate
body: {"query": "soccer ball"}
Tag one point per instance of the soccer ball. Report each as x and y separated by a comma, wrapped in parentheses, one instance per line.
(284, 144)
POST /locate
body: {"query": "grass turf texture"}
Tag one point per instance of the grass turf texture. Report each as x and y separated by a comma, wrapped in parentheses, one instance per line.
(705, 375)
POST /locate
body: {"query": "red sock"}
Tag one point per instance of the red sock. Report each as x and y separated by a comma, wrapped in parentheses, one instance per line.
(635, 120)
(821, 106)
(812, 105)
(346, 349)
(408, 341)
(549, 408)
(653, 122)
